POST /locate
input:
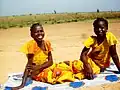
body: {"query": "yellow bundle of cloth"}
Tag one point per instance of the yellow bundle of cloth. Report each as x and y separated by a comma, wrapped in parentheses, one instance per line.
(62, 72)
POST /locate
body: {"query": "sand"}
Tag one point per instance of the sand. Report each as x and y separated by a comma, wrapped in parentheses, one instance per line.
(67, 43)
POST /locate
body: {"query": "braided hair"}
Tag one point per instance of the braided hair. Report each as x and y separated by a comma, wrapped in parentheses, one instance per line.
(95, 23)
(34, 26)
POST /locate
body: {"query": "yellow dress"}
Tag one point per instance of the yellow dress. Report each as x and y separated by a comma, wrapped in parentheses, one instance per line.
(98, 57)
(40, 56)
(100, 53)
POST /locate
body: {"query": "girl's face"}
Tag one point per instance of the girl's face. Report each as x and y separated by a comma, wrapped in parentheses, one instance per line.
(38, 33)
(100, 29)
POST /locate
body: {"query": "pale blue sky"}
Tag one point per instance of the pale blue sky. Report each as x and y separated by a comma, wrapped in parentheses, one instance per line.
(18, 7)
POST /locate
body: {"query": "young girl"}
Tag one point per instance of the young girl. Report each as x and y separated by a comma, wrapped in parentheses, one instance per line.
(40, 65)
(103, 46)
(38, 52)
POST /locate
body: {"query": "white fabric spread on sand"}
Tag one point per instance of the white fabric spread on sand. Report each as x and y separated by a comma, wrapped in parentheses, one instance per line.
(100, 79)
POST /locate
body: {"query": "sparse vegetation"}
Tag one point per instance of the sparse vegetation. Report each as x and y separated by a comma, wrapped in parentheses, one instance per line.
(56, 18)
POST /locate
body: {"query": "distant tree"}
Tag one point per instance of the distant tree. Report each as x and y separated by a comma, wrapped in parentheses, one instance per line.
(98, 10)
(22, 15)
(13, 15)
(55, 12)
(30, 14)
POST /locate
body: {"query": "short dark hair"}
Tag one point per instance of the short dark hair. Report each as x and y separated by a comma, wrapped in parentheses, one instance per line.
(34, 25)
(95, 23)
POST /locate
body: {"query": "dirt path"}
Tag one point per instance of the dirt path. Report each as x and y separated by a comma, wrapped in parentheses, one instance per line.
(66, 41)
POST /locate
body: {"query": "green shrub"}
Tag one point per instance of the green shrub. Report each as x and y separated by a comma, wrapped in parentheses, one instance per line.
(27, 20)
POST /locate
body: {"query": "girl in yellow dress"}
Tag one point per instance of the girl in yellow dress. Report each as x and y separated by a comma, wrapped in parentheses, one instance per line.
(38, 52)
(103, 46)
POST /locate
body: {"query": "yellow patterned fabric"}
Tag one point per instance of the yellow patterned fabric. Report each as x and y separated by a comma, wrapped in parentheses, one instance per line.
(57, 73)
(40, 56)
(78, 69)
(100, 53)
(61, 72)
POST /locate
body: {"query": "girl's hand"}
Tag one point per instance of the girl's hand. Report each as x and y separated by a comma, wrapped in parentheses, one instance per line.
(29, 67)
(88, 72)
(32, 67)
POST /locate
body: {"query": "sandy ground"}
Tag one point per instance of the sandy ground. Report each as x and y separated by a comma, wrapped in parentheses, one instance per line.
(67, 42)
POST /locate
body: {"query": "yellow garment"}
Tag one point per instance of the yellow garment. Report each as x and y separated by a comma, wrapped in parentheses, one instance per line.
(65, 76)
(77, 66)
(62, 73)
(64, 67)
(40, 56)
(78, 69)
(55, 74)
(100, 53)
(45, 76)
